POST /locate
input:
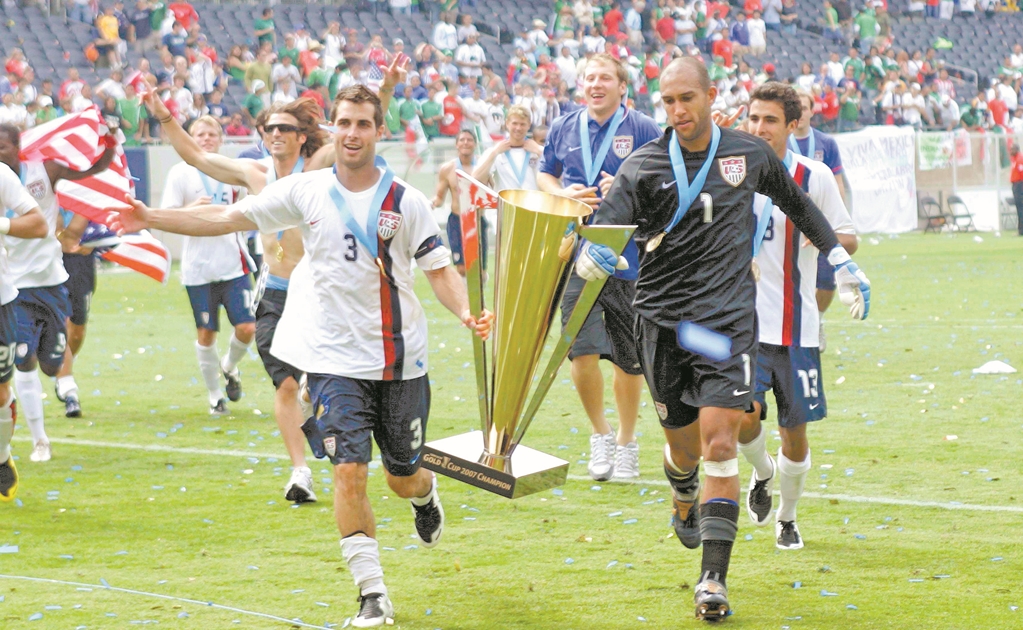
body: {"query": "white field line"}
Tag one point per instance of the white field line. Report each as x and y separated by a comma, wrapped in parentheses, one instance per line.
(850, 498)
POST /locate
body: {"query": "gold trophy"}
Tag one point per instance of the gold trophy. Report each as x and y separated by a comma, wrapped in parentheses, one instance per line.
(537, 237)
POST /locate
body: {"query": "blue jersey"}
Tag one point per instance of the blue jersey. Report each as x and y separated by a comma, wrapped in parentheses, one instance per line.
(825, 150)
(562, 157)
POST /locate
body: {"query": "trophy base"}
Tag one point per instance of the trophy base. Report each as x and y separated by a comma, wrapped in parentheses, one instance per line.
(459, 457)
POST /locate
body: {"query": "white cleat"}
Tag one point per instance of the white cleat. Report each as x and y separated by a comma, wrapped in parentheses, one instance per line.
(300, 486)
(375, 609)
(41, 452)
(627, 461)
(602, 456)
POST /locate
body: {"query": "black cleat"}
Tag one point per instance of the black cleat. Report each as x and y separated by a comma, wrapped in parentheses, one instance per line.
(787, 535)
(760, 499)
(219, 409)
(234, 385)
(711, 599)
(8, 480)
(375, 610)
(429, 518)
(687, 529)
(72, 408)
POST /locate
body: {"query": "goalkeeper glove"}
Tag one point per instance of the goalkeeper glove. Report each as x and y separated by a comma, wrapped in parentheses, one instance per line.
(597, 262)
(853, 286)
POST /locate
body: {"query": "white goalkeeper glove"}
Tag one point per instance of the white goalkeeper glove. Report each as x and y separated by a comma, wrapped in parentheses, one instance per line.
(853, 286)
(597, 262)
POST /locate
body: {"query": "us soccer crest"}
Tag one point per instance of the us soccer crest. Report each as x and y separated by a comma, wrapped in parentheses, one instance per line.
(818, 156)
(733, 169)
(388, 224)
(330, 445)
(622, 146)
(37, 189)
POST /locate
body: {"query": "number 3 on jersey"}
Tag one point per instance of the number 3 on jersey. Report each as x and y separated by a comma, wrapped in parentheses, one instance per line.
(353, 248)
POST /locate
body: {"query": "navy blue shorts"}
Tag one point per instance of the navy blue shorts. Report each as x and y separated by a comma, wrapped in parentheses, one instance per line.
(350, 413)
(42, 325)
(234, 295)
(8, 341)
(794, 375)
(454, 228)
(81, 284)
(268, 315)
(609, 329)
(825, 273)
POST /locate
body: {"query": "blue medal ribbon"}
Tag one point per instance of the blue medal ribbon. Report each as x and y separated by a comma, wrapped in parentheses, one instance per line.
(688, 191)
(519, 171)
(764, 219)
(217, 196)
(593, 163)
(368, 235)
(811, 147)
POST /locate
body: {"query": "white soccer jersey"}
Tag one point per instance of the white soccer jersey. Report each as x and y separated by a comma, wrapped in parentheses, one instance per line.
(509, 165)
(786, 294)
(16, 201)
(358, 322)
(37, 262)
(206, 259)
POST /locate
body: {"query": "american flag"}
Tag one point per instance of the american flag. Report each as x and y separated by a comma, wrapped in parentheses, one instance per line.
(75, 141)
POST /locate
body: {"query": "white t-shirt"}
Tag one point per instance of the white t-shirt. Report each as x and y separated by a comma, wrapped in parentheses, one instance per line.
(445, 36)
(567, 69)
(786, 311)
(507, 167)
(358, 323)
(16, 202)
(494, 120)
(37, 262)
(206, 259)
(470, 54)
(910, 114)
(757, 32)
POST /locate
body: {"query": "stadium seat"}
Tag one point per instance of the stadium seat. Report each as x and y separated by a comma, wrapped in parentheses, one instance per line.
(1007, 214)
(929, 211)
(962, 218)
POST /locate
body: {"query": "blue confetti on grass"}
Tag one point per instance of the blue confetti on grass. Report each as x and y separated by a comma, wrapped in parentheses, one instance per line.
(630, 521)
(569, 561)
(851, 607)
(557, 492)
(828, 594)
(35, 616)
(797, 585)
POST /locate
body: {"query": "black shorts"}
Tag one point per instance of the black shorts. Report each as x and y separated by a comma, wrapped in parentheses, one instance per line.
(454, 230)
(351, 413)
(42, 325)
(268, 313)
(609, 328)
(8, 341)
(681, 382)
(81, 284)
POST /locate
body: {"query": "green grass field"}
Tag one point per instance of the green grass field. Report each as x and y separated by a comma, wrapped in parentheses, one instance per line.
(150, 509)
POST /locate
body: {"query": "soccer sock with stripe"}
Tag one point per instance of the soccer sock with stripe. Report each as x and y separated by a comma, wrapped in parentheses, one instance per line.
(362, 554)
(209, 365)
(755, 453)
(719, 523)
(791, 477)
(685, 486)
(235, 352)
(66, 386)
(6, 431)
(30, 394)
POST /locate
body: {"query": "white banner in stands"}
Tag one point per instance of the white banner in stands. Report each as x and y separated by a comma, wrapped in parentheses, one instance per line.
(934, 149)
(880, 170)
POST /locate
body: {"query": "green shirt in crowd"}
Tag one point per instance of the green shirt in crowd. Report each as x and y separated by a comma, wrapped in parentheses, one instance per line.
(430, 109)
(133, 115)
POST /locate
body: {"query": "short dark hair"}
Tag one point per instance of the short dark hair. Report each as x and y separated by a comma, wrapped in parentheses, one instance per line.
(13, 133)
(358, 94)
(775, 92)
(695, 64)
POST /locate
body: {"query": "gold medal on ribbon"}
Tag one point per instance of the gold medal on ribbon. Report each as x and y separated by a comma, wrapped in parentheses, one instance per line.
(655, 242)
(280, 252)
(380, 264)
(756, 271)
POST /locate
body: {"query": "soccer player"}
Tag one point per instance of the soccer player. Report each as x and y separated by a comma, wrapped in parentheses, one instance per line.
(24, 221)
(788, 356)
(691, 194)
(512, 162)
(819, 146)
(292, 136)
(363, 230)
(447, 181)
(37, 270)
(583, 152)
(215, 271)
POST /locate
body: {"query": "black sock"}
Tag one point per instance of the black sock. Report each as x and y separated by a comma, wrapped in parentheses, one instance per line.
(685, 486)
(719, 523)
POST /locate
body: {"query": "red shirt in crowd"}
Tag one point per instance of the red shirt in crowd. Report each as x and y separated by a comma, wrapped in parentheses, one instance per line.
(666, 28)
(1016, 175)
(612, 23)
(999, 111)
(316, 96)
(830, 106)
(752, 5)
(184, 13)
(723, 49)
(237, 130)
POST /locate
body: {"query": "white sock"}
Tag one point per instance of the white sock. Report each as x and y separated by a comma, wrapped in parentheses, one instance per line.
(6, 432)
(756, 454)
(66, 385)
(209, 365)
(30, 393)
(362, 554)
(425, 499)
(236, 350)
(791, 477)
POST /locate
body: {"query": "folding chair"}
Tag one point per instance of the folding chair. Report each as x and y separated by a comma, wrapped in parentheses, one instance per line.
(929, 211)
(962, 218)
(1007, 214)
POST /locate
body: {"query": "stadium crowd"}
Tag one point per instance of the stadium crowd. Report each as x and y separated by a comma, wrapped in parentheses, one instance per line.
(453, 86)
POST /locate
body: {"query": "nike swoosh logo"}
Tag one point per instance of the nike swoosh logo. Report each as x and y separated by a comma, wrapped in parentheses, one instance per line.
(667, 185)
(312, 223)
(575, 148)
(738, 393)
(812, 407)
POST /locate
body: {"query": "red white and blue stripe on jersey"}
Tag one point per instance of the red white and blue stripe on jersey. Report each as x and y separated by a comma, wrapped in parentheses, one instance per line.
(390, 301)
(792, 317)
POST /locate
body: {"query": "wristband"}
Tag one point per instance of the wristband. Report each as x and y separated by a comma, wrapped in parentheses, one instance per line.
(838, 256)
(164, 121)
(5, 225)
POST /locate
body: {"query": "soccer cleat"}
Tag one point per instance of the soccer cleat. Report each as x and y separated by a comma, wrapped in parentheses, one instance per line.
(711, 599)
(687, 529)
(8, 480)
(234, 385)
(627, 461)
(760, 499)
(300, 486)
(72, 408)
(822, 341)
(375, 609)
(788, 537)
(602, 456)
(41, 452)
(429, 518)
(219, 409)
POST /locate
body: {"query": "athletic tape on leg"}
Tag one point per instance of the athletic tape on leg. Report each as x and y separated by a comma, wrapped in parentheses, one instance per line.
(729, 468)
